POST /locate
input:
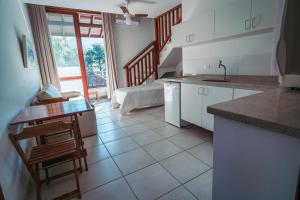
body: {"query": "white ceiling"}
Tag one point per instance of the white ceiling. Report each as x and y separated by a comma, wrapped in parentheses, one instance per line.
(111, 6)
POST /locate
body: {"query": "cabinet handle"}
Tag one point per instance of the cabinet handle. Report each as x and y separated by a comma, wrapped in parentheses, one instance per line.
(206, 91)
(255, 22)
(247, 24)
(202, 91)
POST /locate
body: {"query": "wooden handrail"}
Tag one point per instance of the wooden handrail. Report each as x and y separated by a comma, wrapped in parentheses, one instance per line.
(142, 66)
(164, 23)
(139, 54)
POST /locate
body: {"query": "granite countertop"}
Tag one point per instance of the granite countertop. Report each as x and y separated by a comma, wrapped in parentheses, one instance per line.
(242, 82)
(277, 110)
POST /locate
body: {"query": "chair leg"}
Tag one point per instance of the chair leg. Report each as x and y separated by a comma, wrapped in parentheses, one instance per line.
(76, 178)
(38, 183)
(85, 162)
(47, 175)
(80, 165)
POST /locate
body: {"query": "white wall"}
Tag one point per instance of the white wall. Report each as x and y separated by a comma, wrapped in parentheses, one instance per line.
(17, 86)
(249, 55)
(244, 55)
(129, 41)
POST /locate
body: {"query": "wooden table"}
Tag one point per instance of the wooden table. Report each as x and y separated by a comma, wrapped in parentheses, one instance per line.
(33, 114)
(40, 113)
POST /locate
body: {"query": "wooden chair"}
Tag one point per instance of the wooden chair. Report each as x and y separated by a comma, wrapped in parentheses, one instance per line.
(46, 154)
(66, 119)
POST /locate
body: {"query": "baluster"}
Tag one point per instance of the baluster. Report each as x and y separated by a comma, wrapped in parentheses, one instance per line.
(143, 75)
(138, 73)
(147, 65)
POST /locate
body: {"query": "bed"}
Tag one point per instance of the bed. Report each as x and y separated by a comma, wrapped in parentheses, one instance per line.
(142, 96)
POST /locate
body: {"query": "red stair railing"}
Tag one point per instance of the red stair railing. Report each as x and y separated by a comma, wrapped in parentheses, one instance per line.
(164, 23)
(142, 66)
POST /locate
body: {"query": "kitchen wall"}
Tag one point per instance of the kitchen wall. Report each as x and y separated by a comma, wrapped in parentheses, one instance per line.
(129, 41)
(248, 54)
(17, 87)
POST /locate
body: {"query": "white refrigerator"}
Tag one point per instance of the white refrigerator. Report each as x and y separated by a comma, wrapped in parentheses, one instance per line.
(172, 103)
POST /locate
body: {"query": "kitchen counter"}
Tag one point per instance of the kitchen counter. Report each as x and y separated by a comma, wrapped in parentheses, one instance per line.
(242, 82)
(276, 110)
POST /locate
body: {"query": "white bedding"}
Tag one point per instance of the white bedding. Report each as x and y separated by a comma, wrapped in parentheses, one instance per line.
(142, 96)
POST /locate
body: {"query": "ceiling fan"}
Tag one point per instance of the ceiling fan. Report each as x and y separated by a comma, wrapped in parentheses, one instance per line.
(128, 18)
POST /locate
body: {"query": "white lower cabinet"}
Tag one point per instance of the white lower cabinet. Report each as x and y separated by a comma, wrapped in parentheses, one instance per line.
(191, 103)
(239, 93)
(213, 95)
(196, 98)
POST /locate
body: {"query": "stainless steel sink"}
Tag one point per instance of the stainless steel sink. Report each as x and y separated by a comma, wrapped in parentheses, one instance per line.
(216, 80)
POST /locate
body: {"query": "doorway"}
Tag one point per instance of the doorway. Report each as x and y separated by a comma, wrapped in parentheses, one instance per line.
(78, 47)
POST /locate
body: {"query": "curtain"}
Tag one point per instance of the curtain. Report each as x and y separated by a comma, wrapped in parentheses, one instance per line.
(112, 82)
(287, 40)
(42, 41)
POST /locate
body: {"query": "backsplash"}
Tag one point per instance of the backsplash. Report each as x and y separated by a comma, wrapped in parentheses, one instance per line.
(250, 55)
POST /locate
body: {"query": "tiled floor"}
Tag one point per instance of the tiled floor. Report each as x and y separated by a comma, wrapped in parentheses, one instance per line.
(139, 156)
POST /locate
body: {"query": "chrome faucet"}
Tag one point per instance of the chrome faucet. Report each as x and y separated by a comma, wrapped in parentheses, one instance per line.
(221, 65)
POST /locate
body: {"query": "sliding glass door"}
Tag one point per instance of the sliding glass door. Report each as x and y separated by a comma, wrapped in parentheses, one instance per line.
(77, 41)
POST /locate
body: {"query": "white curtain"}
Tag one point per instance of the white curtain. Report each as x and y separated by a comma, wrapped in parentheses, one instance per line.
(286, 55)
(42, 41)
(110, 54)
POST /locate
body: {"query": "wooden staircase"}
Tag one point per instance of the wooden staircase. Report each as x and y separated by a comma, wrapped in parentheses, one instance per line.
(144, 64)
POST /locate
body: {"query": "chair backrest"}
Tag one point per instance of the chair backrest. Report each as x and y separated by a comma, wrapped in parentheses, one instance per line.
(36, 131)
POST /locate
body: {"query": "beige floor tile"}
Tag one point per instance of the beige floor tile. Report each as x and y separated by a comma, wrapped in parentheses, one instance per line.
(98, 174)
(204, 152)
(143, 117)
(126, 122)
(110, 136)
(201, 186)
(186, 140)
(162, 149)
(178, 194)
(104, 120)
(146, 138)
(184, 166)
(96, 153)
(121, 146)
(100, 115)
(151, 182)
(115, 190)
(92, 141)
(133, 161)
(107, 127)
(152, 124)
(135, 129)
(167, 131)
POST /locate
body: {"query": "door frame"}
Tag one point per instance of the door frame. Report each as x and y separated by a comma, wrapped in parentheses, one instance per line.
(75, 14)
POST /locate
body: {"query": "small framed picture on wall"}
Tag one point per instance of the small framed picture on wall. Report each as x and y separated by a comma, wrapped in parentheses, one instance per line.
(29, 55)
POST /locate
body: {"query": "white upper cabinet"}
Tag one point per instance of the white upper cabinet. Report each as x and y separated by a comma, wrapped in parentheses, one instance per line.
(196, 30)
(233, 18)
(262, 14)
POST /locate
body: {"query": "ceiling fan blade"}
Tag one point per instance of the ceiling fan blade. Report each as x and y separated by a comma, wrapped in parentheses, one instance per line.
(141, 15)
(124, 9)
(142, 1)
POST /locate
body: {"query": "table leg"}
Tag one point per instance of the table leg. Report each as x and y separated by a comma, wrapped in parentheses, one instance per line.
(83, 151)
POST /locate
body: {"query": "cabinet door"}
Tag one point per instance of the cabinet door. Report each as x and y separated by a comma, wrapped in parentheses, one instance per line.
(179, 34)
(213, 95)
(202, 29)
(191, 103)
(262, 14)
(239, 93)
(233, 18)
